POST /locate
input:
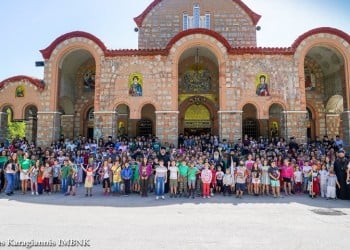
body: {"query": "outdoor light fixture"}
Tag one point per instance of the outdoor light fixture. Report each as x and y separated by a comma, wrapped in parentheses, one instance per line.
(39, 64)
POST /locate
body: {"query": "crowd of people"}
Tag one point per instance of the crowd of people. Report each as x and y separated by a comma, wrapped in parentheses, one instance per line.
(199, 166)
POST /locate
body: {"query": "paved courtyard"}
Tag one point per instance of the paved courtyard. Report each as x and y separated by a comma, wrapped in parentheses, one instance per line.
(100, 222)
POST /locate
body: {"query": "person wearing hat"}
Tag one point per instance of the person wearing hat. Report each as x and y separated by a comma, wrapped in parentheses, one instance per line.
(340, 169)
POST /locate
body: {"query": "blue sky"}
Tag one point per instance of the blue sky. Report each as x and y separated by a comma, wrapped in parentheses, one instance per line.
(28, 26)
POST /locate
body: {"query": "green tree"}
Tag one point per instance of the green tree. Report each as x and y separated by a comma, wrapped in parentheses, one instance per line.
(15, 129)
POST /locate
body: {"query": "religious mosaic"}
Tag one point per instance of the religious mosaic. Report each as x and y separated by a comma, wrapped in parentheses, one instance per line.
(19, 91)
(197, 79)
(135, 84)
(262, 84)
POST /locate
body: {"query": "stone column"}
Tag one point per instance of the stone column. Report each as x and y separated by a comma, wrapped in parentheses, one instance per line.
(49, 128)
(345, 118)
(67, 125)
(332, 124)
(230, 125)
(167, 123)
(264, 128)
(3, 126)
(105, 121)
(31, 129)
(294, 125)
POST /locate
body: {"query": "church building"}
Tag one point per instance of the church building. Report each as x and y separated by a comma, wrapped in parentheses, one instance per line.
(197, 70)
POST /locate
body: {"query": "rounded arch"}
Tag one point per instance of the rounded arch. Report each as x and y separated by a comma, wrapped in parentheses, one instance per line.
(253, 103)
(216, 49)
(328, 38)
(30, 110)
(156, 106)
(275, 120)
(199, 100)
(122, 111)
(36, 82)
(147, 124)
(81, 45)
(48, 51)
(9, 110)
(279, 102)
(5, 106)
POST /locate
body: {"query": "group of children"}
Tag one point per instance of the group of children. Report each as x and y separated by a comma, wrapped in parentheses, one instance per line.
(181, 173)
(198, 177)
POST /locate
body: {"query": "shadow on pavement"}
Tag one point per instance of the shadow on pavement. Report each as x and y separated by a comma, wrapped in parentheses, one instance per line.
(134, 200)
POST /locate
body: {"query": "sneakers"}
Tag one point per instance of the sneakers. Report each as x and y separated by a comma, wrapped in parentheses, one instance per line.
(163, 197)
(32, 193)
(36, 193)
(208, 197)
(157, 197)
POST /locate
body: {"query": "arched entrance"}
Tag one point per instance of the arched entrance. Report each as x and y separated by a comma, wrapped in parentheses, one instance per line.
(324, 75)
(275, 122)
(198, 91)
(123, 113)
(250, 126)
(198, 115)
(76, 91)
(146, 126)
(197, 120)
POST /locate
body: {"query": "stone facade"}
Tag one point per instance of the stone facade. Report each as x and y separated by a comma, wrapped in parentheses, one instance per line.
(228, 18)
(86, 88)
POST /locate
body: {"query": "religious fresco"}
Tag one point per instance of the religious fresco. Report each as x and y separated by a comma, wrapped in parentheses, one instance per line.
(19, 91)
(310, 79)
(261, 82)
(135, 84)
(89, 79)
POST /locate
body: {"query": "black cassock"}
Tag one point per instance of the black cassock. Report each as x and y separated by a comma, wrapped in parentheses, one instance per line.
(340, 167)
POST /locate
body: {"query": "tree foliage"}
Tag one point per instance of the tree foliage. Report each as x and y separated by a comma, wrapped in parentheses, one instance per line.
(15, 129)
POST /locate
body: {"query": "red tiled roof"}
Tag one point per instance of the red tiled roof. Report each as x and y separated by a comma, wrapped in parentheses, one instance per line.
(37, 82)
(47, 52)
(328, 30)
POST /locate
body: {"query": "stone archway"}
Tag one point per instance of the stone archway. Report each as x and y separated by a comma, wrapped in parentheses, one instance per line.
(324, 78)
(207, 122)
(198, 90)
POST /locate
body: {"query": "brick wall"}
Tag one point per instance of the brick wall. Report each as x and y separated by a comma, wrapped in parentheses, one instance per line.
(227, 18)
